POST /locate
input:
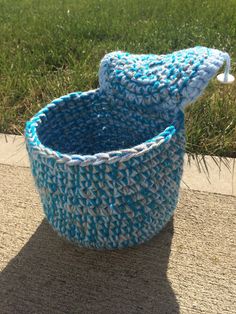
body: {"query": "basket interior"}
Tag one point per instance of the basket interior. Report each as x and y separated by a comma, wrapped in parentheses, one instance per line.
(92, 124)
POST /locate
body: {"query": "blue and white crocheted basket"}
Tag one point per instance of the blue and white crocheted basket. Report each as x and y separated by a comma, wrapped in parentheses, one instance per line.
(108, 162)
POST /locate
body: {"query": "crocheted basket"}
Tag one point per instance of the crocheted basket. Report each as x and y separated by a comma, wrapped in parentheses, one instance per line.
(108, 162)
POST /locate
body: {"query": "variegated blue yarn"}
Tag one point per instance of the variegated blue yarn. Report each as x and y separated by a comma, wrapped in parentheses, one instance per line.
(108, 162)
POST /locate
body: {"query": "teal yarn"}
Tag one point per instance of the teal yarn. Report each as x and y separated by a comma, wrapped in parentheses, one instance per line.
(155, 82)
(108, 162)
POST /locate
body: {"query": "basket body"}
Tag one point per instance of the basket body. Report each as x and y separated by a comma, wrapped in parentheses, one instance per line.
(109, 203)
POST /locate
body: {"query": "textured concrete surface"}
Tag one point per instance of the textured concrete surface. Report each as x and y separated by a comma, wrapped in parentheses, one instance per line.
(213, 175)
(12, 150)
(188, 268)
(210, 174)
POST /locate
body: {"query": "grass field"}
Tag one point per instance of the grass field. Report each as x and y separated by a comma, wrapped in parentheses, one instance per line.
(49, 48)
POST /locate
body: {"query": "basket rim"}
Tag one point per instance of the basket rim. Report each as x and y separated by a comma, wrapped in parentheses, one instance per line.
(35, 146)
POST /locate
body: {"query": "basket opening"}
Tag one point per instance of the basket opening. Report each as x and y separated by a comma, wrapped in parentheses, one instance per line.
(91, 124)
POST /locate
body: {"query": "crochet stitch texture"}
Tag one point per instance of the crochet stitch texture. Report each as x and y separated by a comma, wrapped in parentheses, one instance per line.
(108, 162)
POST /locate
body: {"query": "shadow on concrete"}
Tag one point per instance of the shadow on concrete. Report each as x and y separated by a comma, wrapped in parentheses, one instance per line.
(50, 275)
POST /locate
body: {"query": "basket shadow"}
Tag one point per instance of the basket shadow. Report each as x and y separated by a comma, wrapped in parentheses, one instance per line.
(50, 275)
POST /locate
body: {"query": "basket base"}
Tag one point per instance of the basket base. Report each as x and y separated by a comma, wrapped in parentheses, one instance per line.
(150, 227)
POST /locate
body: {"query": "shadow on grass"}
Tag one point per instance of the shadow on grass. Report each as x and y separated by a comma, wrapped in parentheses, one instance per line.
(50, 275)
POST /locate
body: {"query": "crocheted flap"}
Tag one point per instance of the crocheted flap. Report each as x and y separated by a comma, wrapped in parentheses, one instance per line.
(159, 81)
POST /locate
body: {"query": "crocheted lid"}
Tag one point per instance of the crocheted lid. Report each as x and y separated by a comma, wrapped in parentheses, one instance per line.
(159, 81)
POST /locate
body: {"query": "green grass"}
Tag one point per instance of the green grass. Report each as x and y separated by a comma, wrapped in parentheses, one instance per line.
(49, 48)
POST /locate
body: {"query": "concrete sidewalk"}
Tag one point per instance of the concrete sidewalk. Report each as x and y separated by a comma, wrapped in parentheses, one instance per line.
(188, 268)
